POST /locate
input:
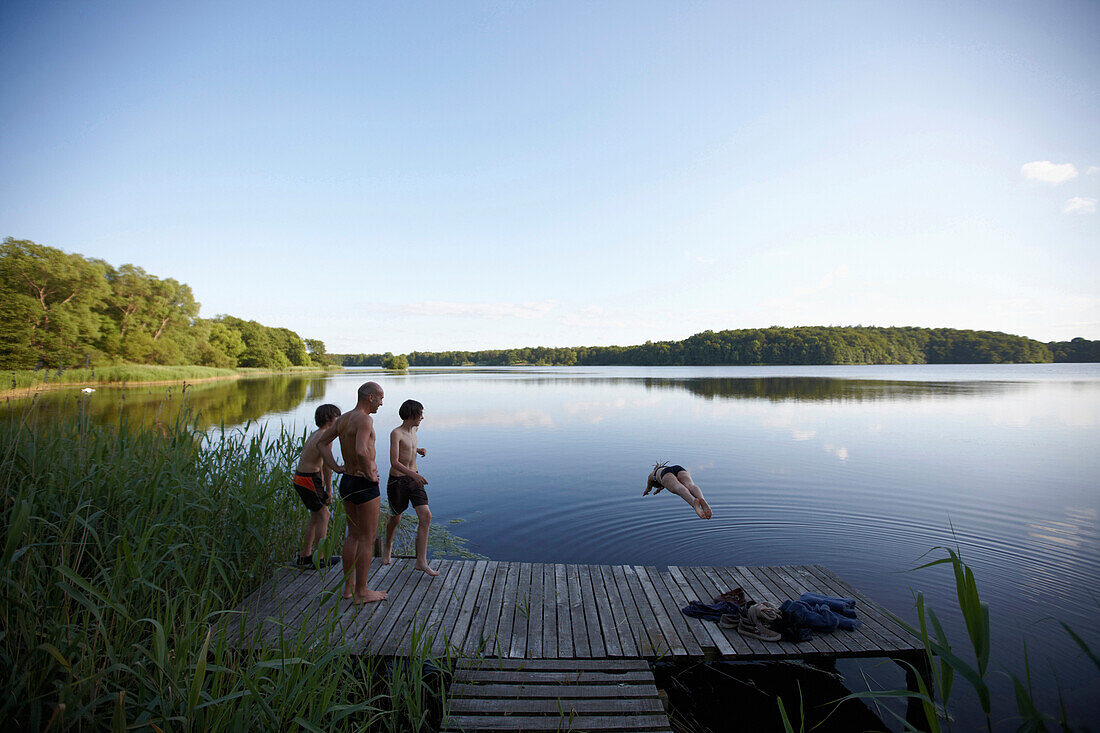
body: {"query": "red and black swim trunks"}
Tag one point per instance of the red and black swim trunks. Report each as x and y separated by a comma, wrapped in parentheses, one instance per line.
(311, 489)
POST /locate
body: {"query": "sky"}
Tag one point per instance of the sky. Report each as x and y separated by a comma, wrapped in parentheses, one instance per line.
(407, 176)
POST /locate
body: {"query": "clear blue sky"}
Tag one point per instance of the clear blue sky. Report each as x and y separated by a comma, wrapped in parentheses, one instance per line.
(399, 176)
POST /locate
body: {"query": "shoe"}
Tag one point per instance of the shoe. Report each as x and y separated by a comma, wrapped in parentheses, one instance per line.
(751, 625)
(329, 562)
(304, 562)
(738, 596)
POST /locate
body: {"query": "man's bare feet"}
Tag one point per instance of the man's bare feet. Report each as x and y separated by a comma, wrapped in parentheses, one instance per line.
(700, 508)
(371, 596)
(707, 511)
(426, 569)
(385, 559)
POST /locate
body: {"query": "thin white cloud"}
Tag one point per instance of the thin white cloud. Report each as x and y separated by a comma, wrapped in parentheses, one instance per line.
(1092, 169)
(1080, 205)
(828, 279)
(487, 311)
(691, 256)
(1047, 172)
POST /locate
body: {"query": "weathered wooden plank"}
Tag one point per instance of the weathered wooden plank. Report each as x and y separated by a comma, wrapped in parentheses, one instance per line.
(549, 611)
(604, 614)
(624, 619)
(642, 625)
(535, 619)
(507, 611)
(474, 636)
(387, 641)
(354, 618)
(576, 677)
(554, 691)
(692, 590)
(522, 613)
(454, 597)
(543, 705)
(485, 640)
(678, 598)
(416, 627)
(293, 616)
(268, 599)
(650, 579)
(592, 634)
(562, 605)
(469, 605)
(369, 623)
(472, 723)
(548, 665)
(575, 600)
(398, 605)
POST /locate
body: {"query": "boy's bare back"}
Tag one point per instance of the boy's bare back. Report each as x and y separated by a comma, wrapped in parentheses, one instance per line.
(311, 459)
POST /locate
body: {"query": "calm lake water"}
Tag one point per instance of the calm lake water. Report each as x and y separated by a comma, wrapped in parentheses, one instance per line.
(863, 469)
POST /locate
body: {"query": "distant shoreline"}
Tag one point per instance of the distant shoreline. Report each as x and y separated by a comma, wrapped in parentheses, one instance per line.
(112, 380)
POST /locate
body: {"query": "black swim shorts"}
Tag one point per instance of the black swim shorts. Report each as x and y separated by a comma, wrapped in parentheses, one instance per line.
(311, 489)
(402, 490)
(358, 490)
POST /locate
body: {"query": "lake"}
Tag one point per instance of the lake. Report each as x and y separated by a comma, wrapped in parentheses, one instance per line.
(863, 469)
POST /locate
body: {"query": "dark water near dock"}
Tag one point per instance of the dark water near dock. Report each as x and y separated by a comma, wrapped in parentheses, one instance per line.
(863, 469)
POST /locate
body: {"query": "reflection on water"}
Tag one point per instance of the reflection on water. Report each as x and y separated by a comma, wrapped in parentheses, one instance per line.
(228, 403)
(861, 469)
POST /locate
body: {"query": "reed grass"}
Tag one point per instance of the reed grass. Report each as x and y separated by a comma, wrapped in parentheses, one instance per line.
(945, 665)
(121, 550)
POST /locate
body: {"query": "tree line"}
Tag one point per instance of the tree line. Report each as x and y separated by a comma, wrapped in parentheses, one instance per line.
(61, 310)
(773, 346)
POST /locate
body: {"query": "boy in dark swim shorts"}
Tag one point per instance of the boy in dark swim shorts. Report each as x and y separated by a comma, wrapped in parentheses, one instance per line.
(406, 485)
(313, 482)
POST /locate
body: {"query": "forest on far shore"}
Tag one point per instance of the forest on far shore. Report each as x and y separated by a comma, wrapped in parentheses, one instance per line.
(771, 346)
(61, 310)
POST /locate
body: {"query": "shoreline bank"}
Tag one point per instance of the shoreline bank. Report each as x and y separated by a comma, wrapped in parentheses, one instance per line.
(30, 390)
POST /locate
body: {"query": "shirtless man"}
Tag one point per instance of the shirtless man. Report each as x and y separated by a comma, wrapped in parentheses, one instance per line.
(313, 482)
(406, 485)
(678, 481)
(359, 490)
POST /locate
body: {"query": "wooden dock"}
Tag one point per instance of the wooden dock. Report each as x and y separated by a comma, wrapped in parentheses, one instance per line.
(542, 644)
(551, 611)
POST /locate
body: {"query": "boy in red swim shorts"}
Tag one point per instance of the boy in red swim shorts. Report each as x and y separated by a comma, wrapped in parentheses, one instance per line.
(313, 482)
(406, 485)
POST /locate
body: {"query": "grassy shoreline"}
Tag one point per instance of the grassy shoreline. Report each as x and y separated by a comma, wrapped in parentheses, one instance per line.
(22, 383)
(122, 550)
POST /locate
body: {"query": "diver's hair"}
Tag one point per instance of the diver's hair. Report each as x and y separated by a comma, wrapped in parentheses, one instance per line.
(410, 408)
(325, 414)
(367, 389)
(658, 466)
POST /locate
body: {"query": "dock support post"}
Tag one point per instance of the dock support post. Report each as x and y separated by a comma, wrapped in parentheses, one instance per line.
(915, 664)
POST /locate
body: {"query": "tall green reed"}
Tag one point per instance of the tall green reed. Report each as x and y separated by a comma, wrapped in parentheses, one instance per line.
(944, 664)
(122, 548)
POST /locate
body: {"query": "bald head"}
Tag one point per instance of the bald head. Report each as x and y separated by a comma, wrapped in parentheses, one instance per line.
(369, 389)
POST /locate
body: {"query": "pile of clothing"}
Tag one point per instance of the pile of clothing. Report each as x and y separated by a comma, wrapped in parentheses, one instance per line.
(790, 621)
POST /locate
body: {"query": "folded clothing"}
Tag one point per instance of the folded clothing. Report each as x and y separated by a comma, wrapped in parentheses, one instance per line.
(843, 606)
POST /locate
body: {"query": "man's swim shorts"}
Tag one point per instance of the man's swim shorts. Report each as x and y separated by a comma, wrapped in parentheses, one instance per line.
(312, 490)
(402, 490)
(358, 490)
